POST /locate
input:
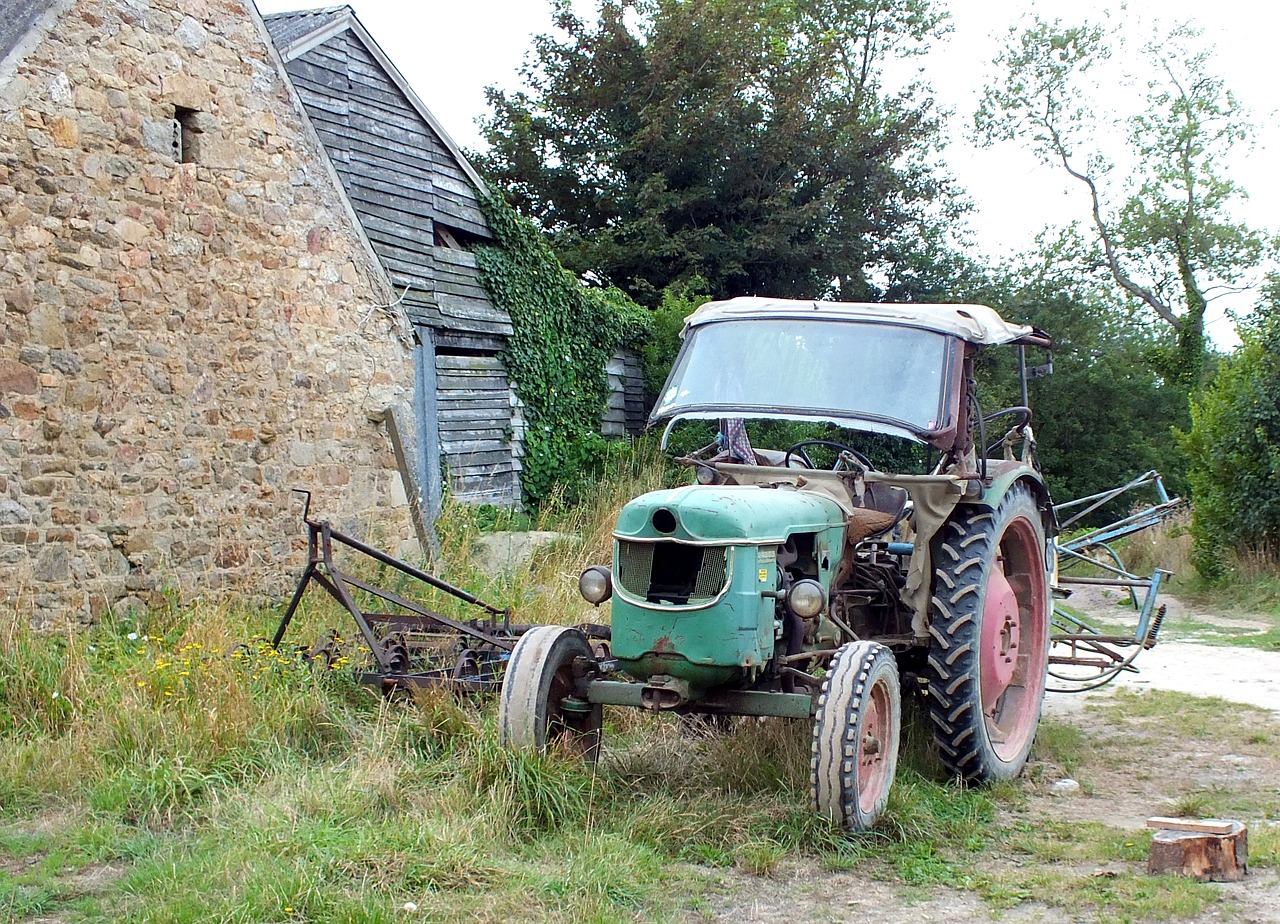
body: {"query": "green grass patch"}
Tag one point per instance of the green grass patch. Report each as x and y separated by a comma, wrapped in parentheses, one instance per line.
(160, 770)
(216, 783)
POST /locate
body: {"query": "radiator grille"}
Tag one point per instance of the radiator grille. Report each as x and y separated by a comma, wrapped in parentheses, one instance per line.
(672, 572)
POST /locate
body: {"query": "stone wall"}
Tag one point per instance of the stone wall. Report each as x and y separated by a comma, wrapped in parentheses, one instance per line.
(181, 342)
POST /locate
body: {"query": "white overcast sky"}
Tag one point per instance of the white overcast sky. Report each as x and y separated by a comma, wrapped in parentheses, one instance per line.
(450, 51)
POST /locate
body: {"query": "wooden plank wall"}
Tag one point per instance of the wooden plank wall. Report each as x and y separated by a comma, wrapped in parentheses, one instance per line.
(462, 300)
(481, 428)
(403, 182)
(625, 412)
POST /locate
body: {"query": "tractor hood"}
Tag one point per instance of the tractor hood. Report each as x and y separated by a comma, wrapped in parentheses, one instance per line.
(734, 514)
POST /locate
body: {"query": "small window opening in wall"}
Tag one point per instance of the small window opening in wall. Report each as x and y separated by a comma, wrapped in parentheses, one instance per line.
(445, 238)
(465, 351)
(186, 139)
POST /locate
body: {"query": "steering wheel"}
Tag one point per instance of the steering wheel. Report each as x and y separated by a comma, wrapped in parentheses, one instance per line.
(799, 450)
(1024, 417)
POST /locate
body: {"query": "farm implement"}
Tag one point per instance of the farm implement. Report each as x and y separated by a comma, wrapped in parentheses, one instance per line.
(401, 644)
(1085, 658)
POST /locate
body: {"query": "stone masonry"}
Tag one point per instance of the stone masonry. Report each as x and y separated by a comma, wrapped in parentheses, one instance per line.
(190, 324)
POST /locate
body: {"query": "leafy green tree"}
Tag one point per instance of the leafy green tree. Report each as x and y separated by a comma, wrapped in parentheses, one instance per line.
(749, 143)
(1165, 232)
(1104, 415)
(1234, 446)
(659, 350)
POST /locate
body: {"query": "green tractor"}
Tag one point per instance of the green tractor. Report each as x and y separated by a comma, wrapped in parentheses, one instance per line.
(776, 586)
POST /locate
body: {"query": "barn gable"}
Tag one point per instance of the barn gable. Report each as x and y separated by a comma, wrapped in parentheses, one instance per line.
(417, 198)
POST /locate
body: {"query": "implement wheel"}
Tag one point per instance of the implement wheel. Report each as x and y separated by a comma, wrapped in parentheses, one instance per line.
(990, 637)
(537, 708)
(855, 735)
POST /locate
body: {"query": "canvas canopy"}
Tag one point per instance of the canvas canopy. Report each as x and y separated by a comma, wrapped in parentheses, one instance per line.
(973, 323)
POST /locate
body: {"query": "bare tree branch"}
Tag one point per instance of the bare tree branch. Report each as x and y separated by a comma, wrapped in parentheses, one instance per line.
(1159, 306)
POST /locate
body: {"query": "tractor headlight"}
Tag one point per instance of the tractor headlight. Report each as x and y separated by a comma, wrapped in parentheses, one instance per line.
(596, 584)
(806, 598)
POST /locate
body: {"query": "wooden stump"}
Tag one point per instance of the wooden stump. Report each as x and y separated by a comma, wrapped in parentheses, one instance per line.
(1209, 851)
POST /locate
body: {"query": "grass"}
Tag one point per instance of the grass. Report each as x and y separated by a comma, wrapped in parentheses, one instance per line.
(155, 770)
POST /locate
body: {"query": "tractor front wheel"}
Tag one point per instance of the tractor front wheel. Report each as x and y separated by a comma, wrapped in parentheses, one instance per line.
(855, 735)
(537, 707)
(989, 643)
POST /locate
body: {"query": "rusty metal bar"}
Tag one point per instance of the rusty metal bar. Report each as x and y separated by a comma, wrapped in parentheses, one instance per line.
(406, 568)
(416, 631)
(1105, 582)
(392, 597)
(338, 588)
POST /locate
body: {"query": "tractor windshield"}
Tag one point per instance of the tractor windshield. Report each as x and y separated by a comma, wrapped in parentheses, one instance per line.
(891, 378)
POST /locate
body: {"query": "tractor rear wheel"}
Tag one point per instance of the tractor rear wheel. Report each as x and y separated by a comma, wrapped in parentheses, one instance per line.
(537, 708)
(855, 735)
(989, 643)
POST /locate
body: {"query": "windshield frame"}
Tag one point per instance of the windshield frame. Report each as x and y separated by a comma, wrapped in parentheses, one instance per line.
(951, 381)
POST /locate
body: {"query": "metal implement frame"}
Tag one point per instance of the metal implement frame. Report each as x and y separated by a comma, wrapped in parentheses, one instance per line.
(490, 638)
(1101, 657)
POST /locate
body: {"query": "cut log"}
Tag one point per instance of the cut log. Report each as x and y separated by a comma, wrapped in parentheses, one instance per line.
(1198, 825)
(1199, 855)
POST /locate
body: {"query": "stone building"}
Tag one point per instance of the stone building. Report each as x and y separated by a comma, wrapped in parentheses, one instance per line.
(194, 319)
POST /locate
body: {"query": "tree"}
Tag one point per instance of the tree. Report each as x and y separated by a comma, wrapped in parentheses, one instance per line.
(1165, 234)
(1105, 413)
(1234, 446)
(748, 143)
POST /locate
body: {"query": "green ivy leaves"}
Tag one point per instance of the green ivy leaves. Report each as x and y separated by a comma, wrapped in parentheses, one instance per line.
(565, 332)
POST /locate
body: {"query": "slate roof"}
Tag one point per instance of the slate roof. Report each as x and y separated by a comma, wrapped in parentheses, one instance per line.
(287, 28)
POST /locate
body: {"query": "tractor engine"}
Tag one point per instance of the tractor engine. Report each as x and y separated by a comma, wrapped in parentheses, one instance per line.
(711, 584)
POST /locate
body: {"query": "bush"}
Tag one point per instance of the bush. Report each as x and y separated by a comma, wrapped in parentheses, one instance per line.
(1234, 447)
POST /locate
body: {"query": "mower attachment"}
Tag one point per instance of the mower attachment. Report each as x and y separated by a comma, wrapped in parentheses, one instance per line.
(410, 645)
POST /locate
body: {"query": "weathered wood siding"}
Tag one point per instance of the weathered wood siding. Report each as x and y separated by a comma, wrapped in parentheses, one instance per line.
(410, 192)
(625, 412)
(402, 181)
(481, 428)
(462, 300)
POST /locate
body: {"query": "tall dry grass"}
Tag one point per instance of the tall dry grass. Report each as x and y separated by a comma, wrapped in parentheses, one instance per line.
(1250, 581)
(1166, 546)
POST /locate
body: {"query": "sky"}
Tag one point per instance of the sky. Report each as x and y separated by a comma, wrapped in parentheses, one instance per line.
(449, 52)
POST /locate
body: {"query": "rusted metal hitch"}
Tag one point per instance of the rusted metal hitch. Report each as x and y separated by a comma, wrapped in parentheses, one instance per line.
(409, 645)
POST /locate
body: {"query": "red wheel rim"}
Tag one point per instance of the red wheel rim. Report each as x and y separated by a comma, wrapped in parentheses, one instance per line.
(874, 749)
(1012, 657)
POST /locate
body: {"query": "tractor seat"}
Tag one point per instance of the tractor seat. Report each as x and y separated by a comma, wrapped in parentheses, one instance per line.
(882, 506)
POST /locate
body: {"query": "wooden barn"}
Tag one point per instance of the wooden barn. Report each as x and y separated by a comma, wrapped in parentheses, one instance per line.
(416, 197)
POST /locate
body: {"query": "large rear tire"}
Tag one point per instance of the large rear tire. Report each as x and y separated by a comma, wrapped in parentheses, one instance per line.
(536, 708)
(855, 735)
(989, 646)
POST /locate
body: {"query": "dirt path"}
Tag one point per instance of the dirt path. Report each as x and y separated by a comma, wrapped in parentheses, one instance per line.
(1138, 767)
(1238, 675)
(1181, 664)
